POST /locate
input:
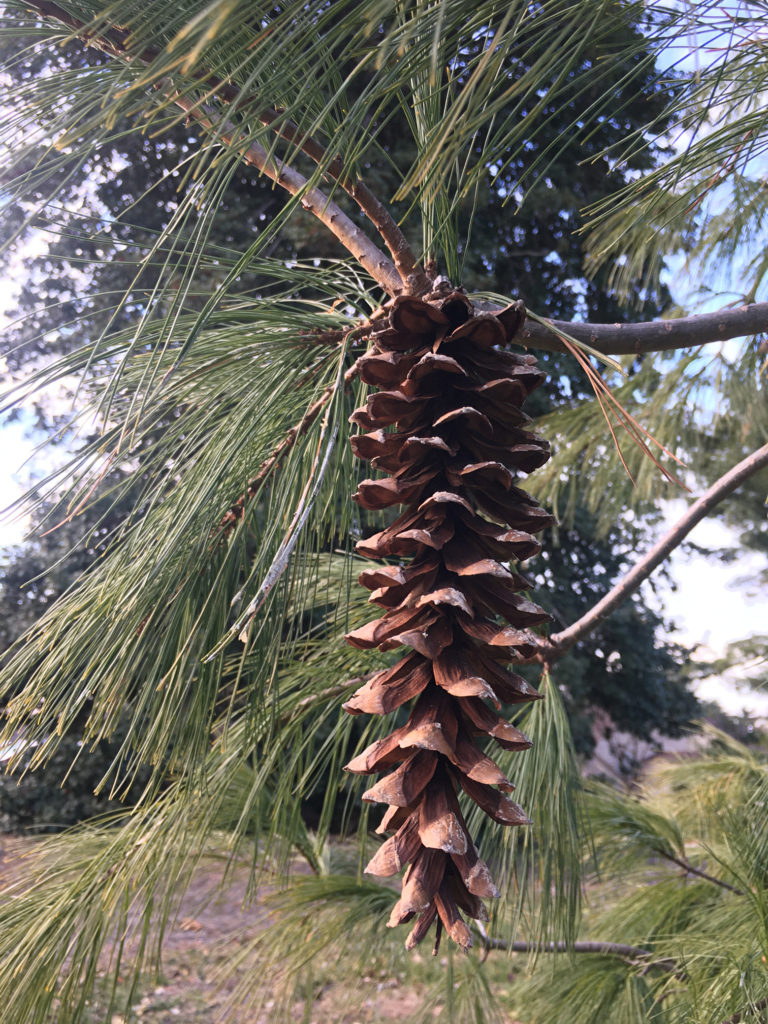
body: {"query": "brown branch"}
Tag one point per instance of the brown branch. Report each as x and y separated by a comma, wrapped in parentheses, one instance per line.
(690, 869)
(618, 949)
(559, 643)
(113, 42)
(235, 511)
(613, 339)
(353, 238)
(654, 336)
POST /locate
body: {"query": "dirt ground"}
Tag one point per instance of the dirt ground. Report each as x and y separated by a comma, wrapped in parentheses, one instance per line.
(209, 930)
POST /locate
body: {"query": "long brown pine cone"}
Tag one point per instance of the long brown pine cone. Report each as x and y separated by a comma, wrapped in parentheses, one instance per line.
(448, 429)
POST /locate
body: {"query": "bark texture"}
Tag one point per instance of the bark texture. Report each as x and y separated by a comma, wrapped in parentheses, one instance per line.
(447, 428)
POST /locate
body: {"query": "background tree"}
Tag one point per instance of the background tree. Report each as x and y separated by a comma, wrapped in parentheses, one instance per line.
(65, 791)
(194, 363)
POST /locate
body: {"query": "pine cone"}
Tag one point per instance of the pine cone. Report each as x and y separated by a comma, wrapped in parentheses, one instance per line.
(448, 429)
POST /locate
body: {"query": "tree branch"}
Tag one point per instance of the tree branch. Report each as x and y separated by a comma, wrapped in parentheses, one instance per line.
(618, 949)
(236, 510)
(559, 643)
(112, 42)
(610, 339)
(691, 870)
(655, 336)
(353, 238)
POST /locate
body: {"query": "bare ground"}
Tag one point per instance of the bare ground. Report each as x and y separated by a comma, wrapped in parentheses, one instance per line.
(207, 933)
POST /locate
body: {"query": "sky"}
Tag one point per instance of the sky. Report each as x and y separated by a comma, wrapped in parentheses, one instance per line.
(711, 609)
(15, 446)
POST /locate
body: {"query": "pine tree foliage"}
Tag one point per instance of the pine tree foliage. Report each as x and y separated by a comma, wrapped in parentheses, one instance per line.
(707, 197)
(681, 876)
(233, 409)
(695, 397)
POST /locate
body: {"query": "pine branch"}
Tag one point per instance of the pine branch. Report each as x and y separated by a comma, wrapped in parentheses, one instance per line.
(654, 336)
(691, 870)
(559, 643)
(613, 339)
(113, 42)
(619, 949)
(313, 200)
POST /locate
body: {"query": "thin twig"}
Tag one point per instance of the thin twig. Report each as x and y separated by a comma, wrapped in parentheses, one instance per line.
(330, 693)
(690, 869)
(293, 533)
(235, 511)
(559, 643)
(283, 556)
(113, 42)
(636, 432)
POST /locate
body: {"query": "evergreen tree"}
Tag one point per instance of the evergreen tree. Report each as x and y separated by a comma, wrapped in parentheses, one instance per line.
(233, 407)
